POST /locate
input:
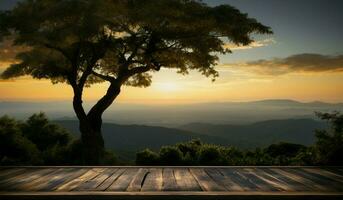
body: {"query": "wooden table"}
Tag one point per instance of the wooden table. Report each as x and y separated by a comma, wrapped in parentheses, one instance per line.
(172, 183)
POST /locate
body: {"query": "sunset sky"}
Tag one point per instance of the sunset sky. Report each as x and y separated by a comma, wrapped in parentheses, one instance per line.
(302, 60)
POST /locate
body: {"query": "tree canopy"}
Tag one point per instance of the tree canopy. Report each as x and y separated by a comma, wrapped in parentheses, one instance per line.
(84, 42)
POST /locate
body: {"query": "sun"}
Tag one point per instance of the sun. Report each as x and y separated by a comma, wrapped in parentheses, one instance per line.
(167, 86)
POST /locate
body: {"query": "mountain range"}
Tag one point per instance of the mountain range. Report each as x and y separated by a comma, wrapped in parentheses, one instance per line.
(132, 138)
(177, 115)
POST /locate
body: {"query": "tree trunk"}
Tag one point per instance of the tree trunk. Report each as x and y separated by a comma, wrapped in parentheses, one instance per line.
(92, 142)
(93, 148)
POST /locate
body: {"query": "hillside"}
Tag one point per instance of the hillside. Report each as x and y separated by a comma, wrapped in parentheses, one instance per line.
(136, 137)
(299, 131)
(179, 114)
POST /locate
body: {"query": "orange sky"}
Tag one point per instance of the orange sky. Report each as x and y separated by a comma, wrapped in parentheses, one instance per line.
(302, 60)
(169, 88)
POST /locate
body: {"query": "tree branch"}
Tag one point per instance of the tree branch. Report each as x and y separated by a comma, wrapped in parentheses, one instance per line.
(59, 49)
(137, 70)
(104, 77)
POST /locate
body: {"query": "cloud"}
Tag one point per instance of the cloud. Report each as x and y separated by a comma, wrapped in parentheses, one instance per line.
(255, 44)
(300, 63)
(8, 52)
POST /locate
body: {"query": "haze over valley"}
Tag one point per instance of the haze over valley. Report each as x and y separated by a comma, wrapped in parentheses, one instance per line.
(177, 114)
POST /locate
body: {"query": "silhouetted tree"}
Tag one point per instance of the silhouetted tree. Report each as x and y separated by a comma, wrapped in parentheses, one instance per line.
(210, 155)
(15, 149)
(43, 133)
(329, 142)
(170, 155)
(283, 152)
(120, 42)
(147, 157)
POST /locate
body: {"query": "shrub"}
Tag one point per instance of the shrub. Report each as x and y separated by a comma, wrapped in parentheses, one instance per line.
(147, 157)
(191, 147)
(210, 155)
(14, 148)
(329, 142)
(109, 158)
(45, 134)
(170, 155)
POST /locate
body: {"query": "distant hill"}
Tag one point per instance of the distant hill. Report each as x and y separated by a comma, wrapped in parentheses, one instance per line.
(263, 133)
(176, 115)
(136, 137)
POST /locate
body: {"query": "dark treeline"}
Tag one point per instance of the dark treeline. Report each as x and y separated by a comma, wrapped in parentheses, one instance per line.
(328, 150)
(37, 141)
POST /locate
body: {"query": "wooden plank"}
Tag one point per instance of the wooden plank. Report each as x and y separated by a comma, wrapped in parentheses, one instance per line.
(123, 181)
(70, 185)
(335, 177)
(169, 181)
(16, 176)
(108, 182)
(60, 179)
(39, 183)
(248, 174)
(185, 180)
(91, 184)
(335, 170)
(290, 184)
(205, 181)
(223, 180)
(263, 181)
(235, 176)
(331, 184)
(309, 183)
(18, 181)
(7, 173)
(171, 196)
(153, 180)
(137, 182)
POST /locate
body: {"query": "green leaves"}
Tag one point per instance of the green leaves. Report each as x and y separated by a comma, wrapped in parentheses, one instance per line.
(71, 38)
(39, 63)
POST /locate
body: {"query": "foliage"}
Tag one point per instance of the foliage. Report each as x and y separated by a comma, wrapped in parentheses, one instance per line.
(330, 142)
(170, 155)
(121, 42)
(44, 134)
(328, 150)
(282, 153)
(15, 149)
(147, 157)
(122, 37)
(37, 141)
(210, 155)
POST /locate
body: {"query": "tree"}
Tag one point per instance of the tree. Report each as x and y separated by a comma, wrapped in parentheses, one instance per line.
(329, 142)
(45, 134)
(147, 157)
(170, 155)
(15, 149)
(121, 42)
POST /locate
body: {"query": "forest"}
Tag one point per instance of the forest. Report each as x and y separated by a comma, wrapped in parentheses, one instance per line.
(38, 141)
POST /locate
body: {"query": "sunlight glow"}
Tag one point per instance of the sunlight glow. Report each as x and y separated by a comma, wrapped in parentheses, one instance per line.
(167, 86)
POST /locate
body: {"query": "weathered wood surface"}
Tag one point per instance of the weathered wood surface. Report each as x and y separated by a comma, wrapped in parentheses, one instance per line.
(171, 183)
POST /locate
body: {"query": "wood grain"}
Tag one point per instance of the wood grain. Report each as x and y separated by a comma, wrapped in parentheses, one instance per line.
(205, 181)
(123, 181)
(185, 180)
(171, 182)
(153, 180)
